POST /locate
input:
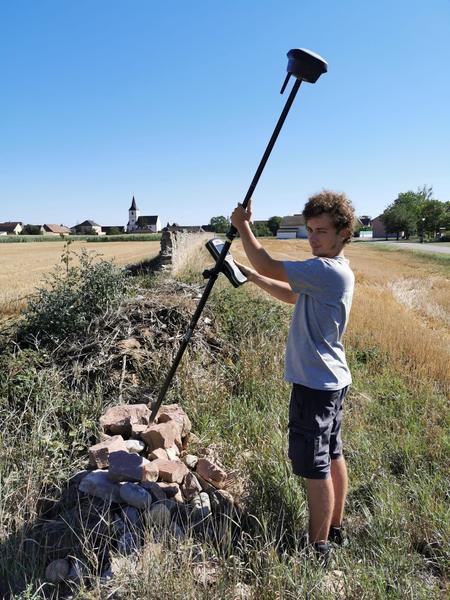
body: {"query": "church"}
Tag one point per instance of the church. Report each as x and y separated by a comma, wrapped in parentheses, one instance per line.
(141, 224)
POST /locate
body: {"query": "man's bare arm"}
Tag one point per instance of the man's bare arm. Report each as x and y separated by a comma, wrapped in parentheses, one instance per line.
(278, 289)
(262, 261)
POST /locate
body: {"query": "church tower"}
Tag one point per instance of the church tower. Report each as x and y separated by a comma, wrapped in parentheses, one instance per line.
(133, 216)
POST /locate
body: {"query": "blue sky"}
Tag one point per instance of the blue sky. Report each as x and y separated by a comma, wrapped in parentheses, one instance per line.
(174, 102)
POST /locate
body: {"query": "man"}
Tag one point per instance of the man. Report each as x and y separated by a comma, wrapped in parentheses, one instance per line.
(321, 289)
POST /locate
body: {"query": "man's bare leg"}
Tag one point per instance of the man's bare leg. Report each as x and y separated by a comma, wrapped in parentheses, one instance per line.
(320, 494)
(340, 486)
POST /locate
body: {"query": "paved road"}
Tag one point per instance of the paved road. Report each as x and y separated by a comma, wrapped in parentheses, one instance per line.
(439, 248)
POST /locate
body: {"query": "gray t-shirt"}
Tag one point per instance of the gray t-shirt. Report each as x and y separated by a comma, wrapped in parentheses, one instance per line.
(315, 356)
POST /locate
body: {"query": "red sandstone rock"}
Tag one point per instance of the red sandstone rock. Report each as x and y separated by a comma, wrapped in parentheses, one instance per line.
(171, 471)
(174, 412)
(191, 486)
(137, 429)
(158, 453)
(120, 419)
(211, 472)
(162, 435)
(172, 491)
(149, 472)
(99, 453)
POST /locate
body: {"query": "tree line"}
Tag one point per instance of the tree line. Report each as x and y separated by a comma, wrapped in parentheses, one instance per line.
(417, 213)
(411, 213)
(222, 224)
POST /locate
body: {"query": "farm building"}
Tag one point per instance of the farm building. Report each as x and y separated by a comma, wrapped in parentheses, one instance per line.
(292, 227)
(141, 223)
(379, 230)
(52, 229)
(11, 228)
(87, 228)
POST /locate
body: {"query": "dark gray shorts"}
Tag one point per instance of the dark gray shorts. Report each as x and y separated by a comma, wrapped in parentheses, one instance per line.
(315, 418)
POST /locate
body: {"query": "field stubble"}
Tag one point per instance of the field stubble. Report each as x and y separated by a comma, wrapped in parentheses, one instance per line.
(24, 266)
(401, 304)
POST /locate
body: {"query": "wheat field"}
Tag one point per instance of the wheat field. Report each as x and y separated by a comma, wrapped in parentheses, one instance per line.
(401, 303)
(24, 266)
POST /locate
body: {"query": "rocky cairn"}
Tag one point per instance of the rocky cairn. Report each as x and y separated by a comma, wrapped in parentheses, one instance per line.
(142, 477)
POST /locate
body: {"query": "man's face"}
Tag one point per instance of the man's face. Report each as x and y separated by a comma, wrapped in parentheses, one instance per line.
(323, 238)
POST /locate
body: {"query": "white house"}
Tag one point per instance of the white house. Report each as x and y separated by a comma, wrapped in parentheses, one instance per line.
(11, 228)
(292, 227)
(142, 224)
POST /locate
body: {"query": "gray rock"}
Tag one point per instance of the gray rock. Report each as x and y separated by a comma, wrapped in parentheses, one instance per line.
(177, 532)
(78, 571)
(57, 570)
(131, 516)
(190, 486)
(77, 477)
(201, 507)
(118, 526)
(106, 575)
(125, 466)
(127, 543)
(154, 488)
(190, 460)
(134, 495)
(135, 446)
(159, 515)
(97, 483)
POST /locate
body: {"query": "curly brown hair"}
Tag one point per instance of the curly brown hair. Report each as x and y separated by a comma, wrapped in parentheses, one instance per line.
(335, 204)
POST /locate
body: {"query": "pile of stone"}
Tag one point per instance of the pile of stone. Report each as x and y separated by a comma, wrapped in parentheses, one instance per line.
(147, 478)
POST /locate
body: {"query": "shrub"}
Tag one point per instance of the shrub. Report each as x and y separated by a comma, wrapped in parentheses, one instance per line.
(73, 297)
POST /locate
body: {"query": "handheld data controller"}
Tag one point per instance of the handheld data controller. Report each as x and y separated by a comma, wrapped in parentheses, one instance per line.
(229, 267)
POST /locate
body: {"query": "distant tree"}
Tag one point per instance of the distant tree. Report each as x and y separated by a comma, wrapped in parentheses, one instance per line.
(398, 218)
(220, 224)
(32, 230)
(261, 230)
(404, 215)
(446, 222)
(433, 216)
(114, 231)
(274, 224)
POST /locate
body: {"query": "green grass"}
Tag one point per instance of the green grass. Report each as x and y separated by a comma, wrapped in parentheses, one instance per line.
(23, 239)
(425, 256)
(396, 441)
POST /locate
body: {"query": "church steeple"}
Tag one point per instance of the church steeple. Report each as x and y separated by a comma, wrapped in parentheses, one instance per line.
(133, 216)
(133, 205)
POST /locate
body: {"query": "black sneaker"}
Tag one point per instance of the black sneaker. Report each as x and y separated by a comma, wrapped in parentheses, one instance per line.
(337, 536)
(322, 551)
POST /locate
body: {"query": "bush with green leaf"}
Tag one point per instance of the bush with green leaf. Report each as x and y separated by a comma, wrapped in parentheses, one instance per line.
(73, 297)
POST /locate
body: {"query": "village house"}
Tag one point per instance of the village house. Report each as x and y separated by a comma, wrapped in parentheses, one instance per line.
(379, 230)
(11, 228)
(87, 228)
(141, 224)
(52, 229)
(292, 227)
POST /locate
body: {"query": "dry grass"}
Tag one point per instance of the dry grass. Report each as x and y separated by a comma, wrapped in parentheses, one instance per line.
(23, 266)
(401, 304)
